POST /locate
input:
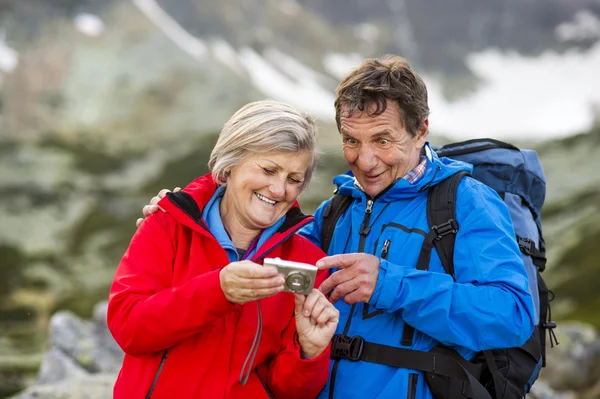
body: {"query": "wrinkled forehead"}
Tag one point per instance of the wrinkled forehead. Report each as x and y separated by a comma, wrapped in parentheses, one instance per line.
(372, 116)
(371, 109)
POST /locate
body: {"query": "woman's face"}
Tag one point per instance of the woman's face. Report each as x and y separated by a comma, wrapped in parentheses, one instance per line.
(261, 189)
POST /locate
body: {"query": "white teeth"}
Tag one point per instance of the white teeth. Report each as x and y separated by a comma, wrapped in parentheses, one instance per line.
(263, 198)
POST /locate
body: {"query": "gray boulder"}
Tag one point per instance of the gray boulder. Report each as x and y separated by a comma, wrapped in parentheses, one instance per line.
(575, 363)
(82, 362)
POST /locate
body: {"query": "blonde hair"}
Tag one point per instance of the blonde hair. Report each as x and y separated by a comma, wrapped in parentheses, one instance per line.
(262, 127)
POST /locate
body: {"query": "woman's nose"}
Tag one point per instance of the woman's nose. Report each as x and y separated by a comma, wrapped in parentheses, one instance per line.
(277, 189)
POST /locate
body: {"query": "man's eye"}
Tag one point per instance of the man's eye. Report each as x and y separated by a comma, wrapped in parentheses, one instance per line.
(384, 141)
(350, 141)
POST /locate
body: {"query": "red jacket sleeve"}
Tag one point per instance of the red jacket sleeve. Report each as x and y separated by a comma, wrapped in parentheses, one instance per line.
(289, 375)
(292, 377)
(145, 312)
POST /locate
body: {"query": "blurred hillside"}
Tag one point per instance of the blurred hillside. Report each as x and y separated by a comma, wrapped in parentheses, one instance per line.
(104, 102)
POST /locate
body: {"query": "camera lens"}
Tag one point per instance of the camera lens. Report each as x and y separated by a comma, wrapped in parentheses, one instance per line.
(297, 281)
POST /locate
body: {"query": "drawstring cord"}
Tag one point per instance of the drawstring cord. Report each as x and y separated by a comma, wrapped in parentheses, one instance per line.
(253, 349)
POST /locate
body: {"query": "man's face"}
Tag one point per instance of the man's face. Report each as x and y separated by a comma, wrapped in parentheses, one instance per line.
(378, 148)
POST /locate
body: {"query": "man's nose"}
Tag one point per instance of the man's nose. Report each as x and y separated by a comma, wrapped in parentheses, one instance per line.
(366, 159)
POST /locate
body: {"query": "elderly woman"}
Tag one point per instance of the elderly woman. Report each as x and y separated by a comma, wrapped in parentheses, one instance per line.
(191, 304)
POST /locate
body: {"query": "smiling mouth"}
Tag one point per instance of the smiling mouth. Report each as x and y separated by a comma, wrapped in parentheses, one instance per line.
(372, 177)
(265, 199)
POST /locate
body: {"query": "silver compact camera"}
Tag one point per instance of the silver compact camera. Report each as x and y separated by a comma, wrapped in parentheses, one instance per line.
(299, 277)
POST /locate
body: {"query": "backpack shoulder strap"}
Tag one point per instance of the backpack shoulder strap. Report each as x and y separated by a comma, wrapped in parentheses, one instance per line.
(441, 216)
(336, 207)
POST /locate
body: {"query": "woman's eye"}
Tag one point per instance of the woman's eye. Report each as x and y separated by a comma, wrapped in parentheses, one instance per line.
(294, 181)
(268, 171)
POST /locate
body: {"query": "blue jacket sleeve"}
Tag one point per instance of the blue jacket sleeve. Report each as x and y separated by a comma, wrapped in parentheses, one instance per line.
(312, 230)
(489, 305)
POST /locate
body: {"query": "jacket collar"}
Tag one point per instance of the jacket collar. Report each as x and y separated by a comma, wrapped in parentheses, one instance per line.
(186, 207)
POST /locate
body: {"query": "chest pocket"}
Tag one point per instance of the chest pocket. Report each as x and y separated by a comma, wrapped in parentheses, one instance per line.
(399, 244)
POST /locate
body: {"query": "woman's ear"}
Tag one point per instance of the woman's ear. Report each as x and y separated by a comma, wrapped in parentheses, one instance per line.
(223, 177)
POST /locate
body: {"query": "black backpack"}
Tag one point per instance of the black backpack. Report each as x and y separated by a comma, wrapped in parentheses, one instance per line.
(504, 373)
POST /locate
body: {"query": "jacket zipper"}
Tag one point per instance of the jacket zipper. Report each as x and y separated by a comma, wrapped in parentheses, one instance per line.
(384, 255)
(412, 385)
(364, 231)
(385, 249)
(160, 367)
(267, 390)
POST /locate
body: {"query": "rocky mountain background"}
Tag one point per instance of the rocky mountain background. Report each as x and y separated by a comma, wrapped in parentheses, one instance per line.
(104, 102)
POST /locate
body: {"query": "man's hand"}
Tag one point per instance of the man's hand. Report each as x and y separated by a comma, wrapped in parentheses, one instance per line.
(356, 279)
(316, 321)
(152, 206)
(247, 281)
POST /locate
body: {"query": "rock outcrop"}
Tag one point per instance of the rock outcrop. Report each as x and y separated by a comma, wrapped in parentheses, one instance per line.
(83, 361)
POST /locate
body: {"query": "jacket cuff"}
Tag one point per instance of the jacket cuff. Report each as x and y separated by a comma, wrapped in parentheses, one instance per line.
(298, 350)
(388, 286)
(211, 288)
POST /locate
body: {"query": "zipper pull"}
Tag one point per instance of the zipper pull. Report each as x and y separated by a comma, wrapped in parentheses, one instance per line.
(385, 249)
(369, 206)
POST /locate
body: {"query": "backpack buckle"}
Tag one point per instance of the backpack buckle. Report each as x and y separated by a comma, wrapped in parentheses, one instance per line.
(450, 227)
(526, 245)
(345, 347)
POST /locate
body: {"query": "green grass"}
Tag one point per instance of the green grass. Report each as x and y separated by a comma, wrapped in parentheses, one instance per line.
(12, 262)
(95, 161)
(180, 172)
(581, 287)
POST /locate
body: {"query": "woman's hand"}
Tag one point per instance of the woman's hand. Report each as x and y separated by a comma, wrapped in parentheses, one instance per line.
(247, 281)
(316, 321)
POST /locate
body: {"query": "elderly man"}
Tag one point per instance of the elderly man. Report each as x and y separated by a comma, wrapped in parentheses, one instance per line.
(392, 313)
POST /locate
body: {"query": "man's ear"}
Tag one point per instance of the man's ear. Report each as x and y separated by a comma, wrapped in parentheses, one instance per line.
(423, 132)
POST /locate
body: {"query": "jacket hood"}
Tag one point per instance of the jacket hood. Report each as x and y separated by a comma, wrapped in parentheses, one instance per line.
(437, 169)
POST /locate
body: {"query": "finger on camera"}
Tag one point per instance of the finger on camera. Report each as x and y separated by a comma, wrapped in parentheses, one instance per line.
(260, 272)
(250, 270)
(311, 300)
(299, 300)
(259, 283)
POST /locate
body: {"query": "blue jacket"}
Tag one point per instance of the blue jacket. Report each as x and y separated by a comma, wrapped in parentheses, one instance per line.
(489, 305)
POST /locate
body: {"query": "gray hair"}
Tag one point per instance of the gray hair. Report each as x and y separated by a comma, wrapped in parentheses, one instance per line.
(262, 127)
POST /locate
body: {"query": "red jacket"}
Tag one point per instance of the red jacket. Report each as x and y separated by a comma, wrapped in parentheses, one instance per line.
(182, 338)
